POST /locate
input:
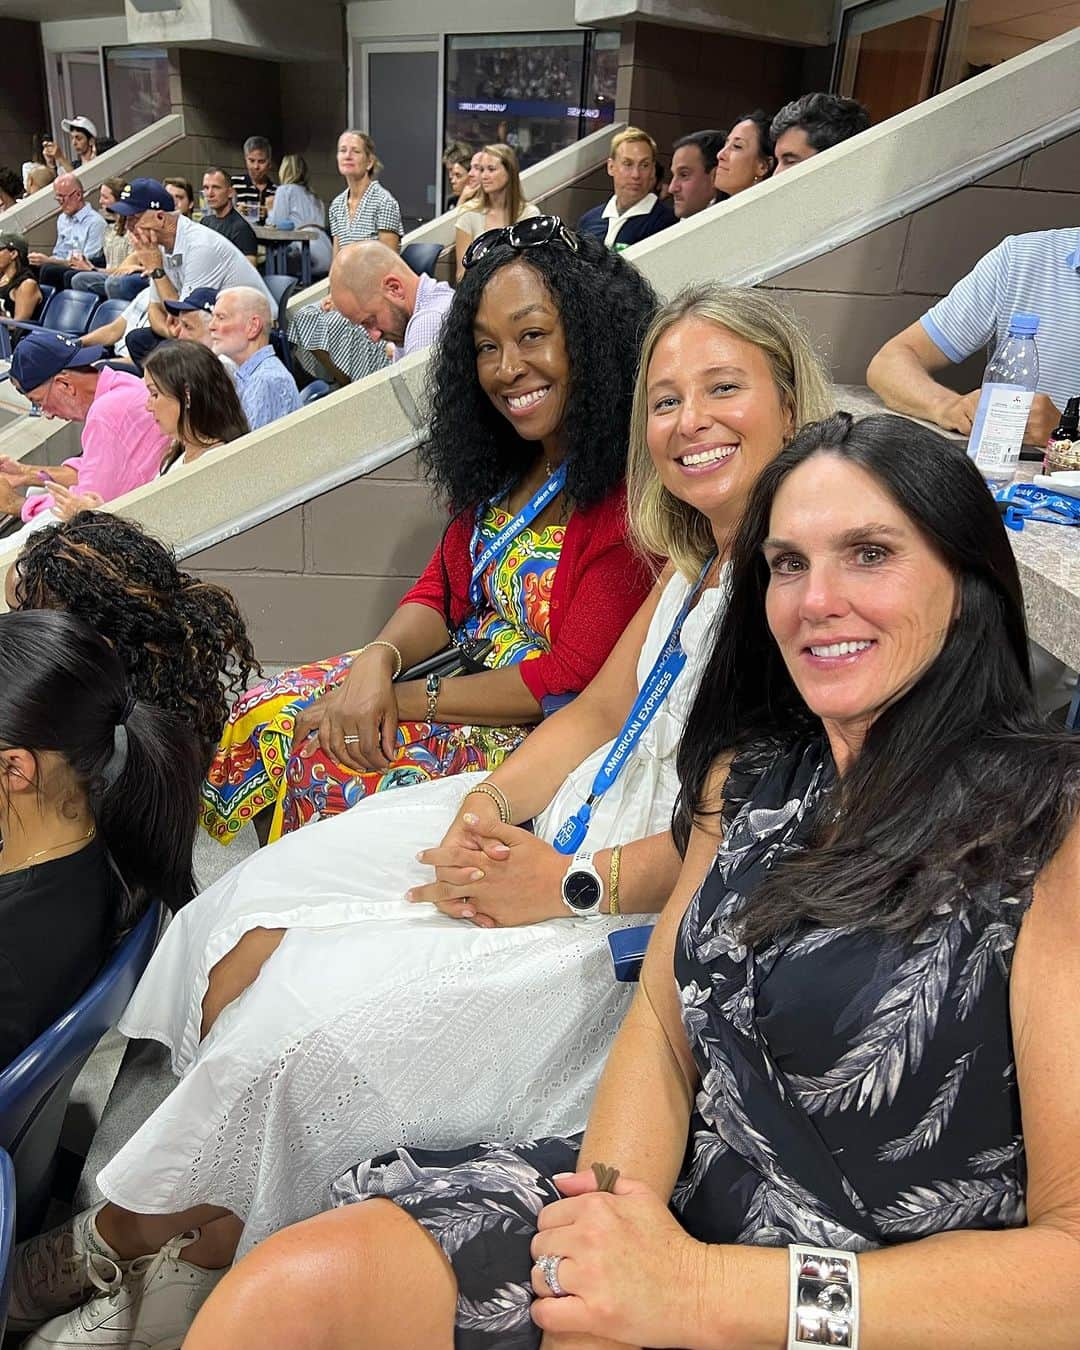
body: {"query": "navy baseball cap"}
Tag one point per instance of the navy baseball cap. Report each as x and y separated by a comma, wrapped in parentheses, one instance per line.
(144, 194)
(42, 354)
(202, 297)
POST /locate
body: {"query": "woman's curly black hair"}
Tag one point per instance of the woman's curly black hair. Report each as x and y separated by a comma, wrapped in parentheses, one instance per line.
(605, 305)
(183, 641)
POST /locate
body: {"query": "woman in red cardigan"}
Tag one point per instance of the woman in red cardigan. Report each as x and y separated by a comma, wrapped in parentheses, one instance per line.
(532, 385)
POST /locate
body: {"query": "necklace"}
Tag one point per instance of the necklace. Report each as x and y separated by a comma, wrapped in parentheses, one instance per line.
(33, 857)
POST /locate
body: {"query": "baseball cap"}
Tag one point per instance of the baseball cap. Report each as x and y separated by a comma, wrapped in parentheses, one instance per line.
(144, 194)
(71, 124)
(42, 354)
(15, 241)
(202, 297)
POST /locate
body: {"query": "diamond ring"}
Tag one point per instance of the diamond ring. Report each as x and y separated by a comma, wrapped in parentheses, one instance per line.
(549, 1268)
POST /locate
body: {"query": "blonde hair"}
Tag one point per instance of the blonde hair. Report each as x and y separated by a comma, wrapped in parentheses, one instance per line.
(515, 198)
(293, 169)
(660, 524)
(369, 148)
(631, 134)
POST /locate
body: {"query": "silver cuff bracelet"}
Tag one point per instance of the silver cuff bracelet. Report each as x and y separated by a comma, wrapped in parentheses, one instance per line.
(823, 1306)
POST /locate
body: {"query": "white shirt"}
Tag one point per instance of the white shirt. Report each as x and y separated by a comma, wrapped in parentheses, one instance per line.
(202, 257)
(615, 220)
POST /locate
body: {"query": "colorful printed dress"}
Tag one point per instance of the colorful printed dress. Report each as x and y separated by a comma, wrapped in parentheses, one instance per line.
(254, 768)
(857, 1088)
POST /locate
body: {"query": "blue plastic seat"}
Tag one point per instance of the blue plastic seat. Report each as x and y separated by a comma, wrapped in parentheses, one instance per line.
(628, 951)
(312, 392)
(7, 1233)
(34, 1088)
(281, 288)
(69, 312)
(106, 312)
(422, 257)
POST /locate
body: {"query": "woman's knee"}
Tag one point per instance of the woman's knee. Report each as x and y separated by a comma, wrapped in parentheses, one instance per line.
(237, 970)
(363, 1275)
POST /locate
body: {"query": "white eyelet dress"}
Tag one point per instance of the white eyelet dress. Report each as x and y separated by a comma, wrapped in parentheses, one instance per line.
(376, 1022)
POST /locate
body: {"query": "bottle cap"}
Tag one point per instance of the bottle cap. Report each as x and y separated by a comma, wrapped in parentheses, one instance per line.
(1023, 325)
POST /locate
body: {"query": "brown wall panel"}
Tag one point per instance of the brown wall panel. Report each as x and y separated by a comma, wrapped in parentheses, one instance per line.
(22, 93)
(372, 528)
(303, 618)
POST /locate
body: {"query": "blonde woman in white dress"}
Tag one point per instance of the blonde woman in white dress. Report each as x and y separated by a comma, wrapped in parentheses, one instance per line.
(333, 996)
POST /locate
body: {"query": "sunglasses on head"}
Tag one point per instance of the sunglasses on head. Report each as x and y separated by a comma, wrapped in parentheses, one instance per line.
(525, 234)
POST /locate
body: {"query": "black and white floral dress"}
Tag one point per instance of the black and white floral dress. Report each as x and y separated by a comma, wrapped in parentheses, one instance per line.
(857, 1089)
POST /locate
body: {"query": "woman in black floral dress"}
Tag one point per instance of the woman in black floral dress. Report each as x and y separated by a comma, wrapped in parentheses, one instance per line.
(849, 1056)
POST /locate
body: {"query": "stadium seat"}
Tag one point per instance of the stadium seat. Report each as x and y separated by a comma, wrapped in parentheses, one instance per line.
(628, 951)
(7, 1233)
(35, 1087)
(281, 288)
(422, 257)
(312, 392)
(107, 311)
(69, 312)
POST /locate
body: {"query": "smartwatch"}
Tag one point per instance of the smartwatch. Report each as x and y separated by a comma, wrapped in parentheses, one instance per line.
(157, 274)
(582, 887)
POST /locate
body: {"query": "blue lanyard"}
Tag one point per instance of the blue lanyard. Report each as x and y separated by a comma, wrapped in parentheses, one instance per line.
(510, 531)
(657, 685)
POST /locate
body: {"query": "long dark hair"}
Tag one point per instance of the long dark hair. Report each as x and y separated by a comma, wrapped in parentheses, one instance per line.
(182, 641)
(960, 788)
(66, 691)
(209, 404)
(605, 306)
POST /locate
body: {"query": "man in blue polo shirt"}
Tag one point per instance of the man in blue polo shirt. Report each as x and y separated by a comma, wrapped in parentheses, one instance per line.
(1035, 273)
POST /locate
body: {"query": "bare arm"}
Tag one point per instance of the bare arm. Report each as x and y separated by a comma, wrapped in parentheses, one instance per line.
(902, 375)
(27, 298)
(462, 240)
(106, 336)
(390, 239)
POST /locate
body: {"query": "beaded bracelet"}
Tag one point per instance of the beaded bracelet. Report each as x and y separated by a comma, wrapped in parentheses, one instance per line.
(380, 643)
(823, 1304)
(498, 796)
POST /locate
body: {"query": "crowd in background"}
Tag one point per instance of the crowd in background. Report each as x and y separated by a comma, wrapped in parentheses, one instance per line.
(694, 648)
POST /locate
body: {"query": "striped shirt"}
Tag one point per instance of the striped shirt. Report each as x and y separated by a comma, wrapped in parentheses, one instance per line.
(1035, 273)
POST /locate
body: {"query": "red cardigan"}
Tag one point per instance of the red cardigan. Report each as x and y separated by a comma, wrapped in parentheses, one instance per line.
(599, 585)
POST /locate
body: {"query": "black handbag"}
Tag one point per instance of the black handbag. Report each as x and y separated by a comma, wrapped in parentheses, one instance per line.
(459, 658)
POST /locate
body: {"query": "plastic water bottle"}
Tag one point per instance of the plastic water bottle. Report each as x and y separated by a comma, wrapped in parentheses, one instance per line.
(1008, 388)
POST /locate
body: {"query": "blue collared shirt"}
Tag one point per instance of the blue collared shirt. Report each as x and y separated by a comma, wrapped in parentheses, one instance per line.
(84, 233)
(433, 299)
(267, 390)
(1036, 273)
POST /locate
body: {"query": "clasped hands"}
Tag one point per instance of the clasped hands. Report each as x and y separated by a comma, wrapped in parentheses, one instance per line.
(499, 876)
(631, 1275)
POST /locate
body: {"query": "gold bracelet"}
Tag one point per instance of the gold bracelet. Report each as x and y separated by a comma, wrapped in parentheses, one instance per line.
(498, 796)
(613, 880)
(380, 643)
(434, 686)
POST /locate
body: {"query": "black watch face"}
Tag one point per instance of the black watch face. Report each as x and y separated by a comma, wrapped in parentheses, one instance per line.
(582, 891)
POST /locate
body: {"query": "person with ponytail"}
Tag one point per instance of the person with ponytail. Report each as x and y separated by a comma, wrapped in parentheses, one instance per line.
(97, 814)
(181, 640)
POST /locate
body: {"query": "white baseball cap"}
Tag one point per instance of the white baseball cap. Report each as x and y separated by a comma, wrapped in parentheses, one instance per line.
(71, 124)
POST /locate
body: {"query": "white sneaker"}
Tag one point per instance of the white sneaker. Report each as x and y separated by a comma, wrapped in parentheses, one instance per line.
(151, 1306)
(50, 1272)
